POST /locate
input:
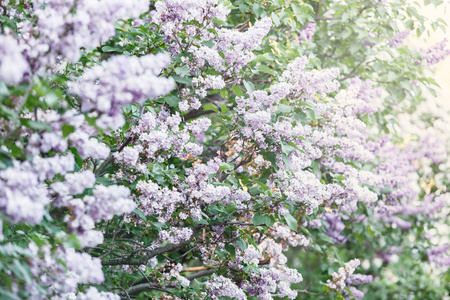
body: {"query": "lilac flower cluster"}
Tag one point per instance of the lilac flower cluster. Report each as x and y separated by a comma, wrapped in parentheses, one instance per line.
(237, 46)
(338, 278)
(273, 282)
(23, 193)
(437, 255)
(63, 32)
(357, 279)
(310, 82)
(82, 137)
(120, 81)
(91, 293)
(334, 227)
(61, 272)
(106, 202)
(175, 236)
(304, 187)
(158, 137)
(61, 29)
(435, 54)
(223, 287)
(13, 66)
(281, 231)
(307, 33)
(172, 16)
(174, 272)
(398, 38)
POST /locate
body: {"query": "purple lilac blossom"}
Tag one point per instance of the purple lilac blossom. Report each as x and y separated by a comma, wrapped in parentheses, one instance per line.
(13, 65)
(120, 81)
(66, 26)
(436, 53)
(398, 38)
(307, 33)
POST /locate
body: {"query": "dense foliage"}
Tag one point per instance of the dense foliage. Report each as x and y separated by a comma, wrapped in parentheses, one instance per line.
(208, 149)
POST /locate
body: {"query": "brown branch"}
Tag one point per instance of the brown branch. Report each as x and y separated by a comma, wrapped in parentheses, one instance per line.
(141, 288)
(197, 113)
(142, 261)
(200, 274)
(352, 72)
(99, 171)
(194, 269)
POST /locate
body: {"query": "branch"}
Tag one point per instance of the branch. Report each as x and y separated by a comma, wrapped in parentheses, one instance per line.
(144, 260)
(197, 113)
(161, 250)
(141, 288)
(200, 274)
(110, 159)
(353, 71)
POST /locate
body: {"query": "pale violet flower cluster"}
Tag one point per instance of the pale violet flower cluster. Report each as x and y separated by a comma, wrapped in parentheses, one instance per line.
(121, 80)
(283, 232)
(61, 271)
(89, 294)
(307, 33)
(172, 16)
(175, 272)
(62, 28)
(23, 193)
(436, 53)
(357, 279)
(66, 26)
(223, 287)
(82, 138)
(338, 278)
(273, 282)
(175, 235)
(158, 137)
(13, 65)
(439, 255)
(398, 38)
(106, 202)
(310, 82)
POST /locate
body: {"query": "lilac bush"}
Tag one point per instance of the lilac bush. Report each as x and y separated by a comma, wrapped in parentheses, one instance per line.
(210, 149)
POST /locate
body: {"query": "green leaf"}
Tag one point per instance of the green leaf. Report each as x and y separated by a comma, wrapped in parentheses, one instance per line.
(291, 221)
(182, 80)
(141, 214)
(231, 250)
(67, 129)
(242, 244)
(37, 125)
(104, 181)
(237, 90)
(172, 101)
(284, 108)
(209, 44)
(210, 107)
(226, 167)
(219, 22)
(111, 49)
(15, 150)
(265, 69)
(224, 93)
(224, 108)
(259, 219)
(249, 86)
(325, 238)
(22, 271)
(182, 70)
(311, 115)
(299, 116)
